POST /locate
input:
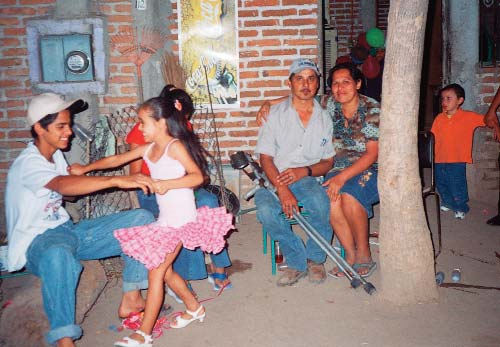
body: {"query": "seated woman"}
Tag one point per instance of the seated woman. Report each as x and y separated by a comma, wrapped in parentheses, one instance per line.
(352, 182)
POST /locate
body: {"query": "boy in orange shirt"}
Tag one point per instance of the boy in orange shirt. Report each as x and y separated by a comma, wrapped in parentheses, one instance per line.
(453, 130)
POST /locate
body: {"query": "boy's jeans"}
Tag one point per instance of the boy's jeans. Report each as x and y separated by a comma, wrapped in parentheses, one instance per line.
(451, 183)
(55, 255)
(312, 195)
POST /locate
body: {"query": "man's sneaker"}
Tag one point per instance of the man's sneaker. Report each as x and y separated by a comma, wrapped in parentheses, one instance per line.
(444, 208)
(317, 273)
(459, 215)
(290, 277)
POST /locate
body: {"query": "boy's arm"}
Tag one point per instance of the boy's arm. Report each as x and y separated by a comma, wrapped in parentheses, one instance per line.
(107, 162)
(72, 185)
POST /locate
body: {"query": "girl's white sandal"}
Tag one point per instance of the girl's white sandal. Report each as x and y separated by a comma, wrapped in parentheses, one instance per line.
(130, 342)
(180, 322)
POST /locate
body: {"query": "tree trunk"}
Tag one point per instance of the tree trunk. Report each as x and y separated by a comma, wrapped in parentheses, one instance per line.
(406, 255)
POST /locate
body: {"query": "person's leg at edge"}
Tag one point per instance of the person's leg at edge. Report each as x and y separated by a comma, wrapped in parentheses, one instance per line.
(495, 220)
(268, 213)
(220, 261)
(96, 241)
(51, 257)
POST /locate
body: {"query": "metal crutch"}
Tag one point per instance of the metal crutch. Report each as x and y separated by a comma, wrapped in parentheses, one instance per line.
(239, 161)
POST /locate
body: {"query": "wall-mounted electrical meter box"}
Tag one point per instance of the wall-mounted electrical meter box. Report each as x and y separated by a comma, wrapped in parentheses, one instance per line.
(66, 58)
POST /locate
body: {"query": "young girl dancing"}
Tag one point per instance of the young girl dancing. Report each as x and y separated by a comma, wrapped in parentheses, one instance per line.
(177, 162)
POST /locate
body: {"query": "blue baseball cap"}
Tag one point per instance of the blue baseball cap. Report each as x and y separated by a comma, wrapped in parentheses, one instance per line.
(302, 64)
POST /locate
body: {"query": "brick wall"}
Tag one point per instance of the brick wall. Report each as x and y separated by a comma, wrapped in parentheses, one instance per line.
(271, 34)
(345, 15)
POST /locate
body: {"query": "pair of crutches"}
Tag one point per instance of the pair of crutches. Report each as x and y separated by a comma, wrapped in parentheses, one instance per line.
(239, 161)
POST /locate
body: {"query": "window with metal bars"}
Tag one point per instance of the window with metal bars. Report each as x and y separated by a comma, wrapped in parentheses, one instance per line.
(489, 33)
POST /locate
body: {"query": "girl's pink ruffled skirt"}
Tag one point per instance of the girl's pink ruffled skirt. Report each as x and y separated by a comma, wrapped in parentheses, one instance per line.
(150, 243)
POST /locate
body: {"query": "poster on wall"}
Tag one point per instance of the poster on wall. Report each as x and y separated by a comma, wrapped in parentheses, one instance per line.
(208, 50)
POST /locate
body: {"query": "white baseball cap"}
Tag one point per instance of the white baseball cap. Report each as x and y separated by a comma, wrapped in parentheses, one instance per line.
(48, 103)
(302, 64)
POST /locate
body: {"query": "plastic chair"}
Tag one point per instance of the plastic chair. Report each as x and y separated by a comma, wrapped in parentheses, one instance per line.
(426, 160)
(290, 221)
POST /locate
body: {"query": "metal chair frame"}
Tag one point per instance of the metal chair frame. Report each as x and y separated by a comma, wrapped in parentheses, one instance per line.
(426, 160)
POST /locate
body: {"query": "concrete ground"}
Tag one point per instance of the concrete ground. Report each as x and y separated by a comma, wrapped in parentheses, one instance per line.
(258, 313)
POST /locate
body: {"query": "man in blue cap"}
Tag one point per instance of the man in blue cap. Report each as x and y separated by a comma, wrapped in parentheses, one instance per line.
(294, 146)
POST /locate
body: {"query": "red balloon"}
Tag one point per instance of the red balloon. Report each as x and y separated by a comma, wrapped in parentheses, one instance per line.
(343, 59)
(371, 67)
(362, 40)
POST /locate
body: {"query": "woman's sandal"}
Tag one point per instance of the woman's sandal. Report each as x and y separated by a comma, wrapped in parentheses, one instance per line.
(369, 266)
(180, 322)
(130, 342)
(336, 273)
(220, 277)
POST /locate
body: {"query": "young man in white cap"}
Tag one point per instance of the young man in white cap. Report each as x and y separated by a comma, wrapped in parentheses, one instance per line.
(294, 145)
(41, 235)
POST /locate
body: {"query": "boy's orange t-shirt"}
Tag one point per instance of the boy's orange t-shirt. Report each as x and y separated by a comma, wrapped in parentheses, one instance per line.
(453, 136)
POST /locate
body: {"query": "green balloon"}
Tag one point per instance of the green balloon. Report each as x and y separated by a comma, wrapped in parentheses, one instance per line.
(375, 37)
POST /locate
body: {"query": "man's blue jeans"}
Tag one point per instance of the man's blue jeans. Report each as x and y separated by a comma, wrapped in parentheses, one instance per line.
(190, 264)
(451, 183)
(314, 199)
(55, 256)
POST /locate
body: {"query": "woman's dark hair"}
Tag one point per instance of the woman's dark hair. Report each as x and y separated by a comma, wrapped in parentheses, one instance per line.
(355, 73)
(44, 123)
(172, 92)
(177, 127)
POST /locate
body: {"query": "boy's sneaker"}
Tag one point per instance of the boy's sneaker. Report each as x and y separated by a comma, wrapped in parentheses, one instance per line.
(459, 215)
(444, 208)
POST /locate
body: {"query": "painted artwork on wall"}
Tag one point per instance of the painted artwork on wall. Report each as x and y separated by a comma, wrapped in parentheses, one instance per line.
(208, 50)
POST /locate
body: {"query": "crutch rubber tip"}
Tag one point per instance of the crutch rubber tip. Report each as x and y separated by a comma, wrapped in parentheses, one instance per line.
(369, 288)
(355, 283)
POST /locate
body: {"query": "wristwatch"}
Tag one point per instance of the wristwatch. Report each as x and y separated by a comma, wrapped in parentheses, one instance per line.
(309, 171)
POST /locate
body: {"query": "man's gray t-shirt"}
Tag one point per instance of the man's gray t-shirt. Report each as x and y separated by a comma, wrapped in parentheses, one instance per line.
(284, 137)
